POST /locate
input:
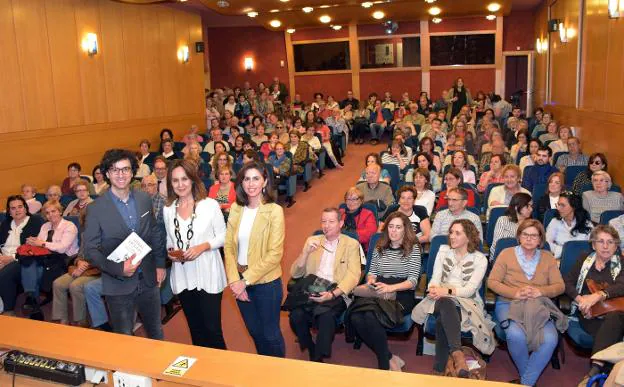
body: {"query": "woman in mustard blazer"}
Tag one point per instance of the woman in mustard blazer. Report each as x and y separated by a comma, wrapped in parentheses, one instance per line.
(254, 246)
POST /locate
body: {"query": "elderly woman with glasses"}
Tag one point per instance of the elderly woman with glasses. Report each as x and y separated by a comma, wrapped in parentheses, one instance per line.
(600, 199)
(603, 265)
(356, 218)
(76, 206)
(526, 276)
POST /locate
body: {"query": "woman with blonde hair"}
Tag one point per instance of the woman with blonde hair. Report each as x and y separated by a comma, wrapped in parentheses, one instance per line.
(600, 199)
(220, 160)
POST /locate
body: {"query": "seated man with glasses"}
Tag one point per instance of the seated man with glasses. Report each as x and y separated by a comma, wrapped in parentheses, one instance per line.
(457, 199)
(333, 258)
(375, 191)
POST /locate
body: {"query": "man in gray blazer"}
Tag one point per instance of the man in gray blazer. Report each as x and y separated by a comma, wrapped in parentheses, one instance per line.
(110, 219)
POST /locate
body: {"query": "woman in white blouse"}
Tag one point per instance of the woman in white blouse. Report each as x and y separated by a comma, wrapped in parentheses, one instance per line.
(195, 232)
(453, 298)
(425, 196)
(460, 161)
(501, 195)
(571, 223)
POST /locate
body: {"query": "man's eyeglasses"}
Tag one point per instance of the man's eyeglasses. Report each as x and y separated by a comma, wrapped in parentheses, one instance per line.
(124, 170)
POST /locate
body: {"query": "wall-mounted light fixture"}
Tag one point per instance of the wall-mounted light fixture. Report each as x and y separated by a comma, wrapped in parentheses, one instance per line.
(249, 63)
(563, 33)
(89, 44)
(183, 54)
(616, 8)
(541, 45)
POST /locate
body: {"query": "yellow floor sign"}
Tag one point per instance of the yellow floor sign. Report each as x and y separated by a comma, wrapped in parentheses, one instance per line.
(179, 366)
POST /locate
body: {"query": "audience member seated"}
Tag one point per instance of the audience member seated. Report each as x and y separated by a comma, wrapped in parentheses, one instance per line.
(570, 224)
(220, 160)
(525, 277)
(165, 134)
(379, 118)
(311, 139)
(596, 162)
(193, 154)
(269, 146)
(282, 132)
(281, 165)
(216, 135)
(423, 160)
(540, 128)
(380, 194)
(520, 208)
(520, 147)
(453, 298)
(453, 178)
(551, 134)
(75, 207)
(325, 132)
(73, 172)
(300, 151)
(260, 136)
(393, 276)
(143, 169)
(160, 173)
(53, 193)
(28, 193)
(561, 144)
(425, 196)
(574, 157)
(494, 175)
(80, 272)
(501, 195)
(397, 155)
(15, 229)
(498, 148)
(144, 149)
(427, 146)
(168, 152)
(99, 183)
(459, 161)
(530, 159)
(541, 170)
(332, 259)
(406, 198)
(457, 199)
(223, 189)
(551, 196)
(60, 237)
(618, 224)
(356, 218)
(606, 329)
(600, 199)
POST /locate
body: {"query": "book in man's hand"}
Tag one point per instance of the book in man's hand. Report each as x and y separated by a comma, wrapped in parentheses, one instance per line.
(132, 245)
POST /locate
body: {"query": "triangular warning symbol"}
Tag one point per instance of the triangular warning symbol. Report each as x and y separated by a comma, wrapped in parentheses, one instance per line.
(181, 364)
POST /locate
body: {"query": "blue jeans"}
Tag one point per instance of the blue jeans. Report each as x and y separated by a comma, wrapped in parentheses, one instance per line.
(31, 278)
(376, 131)
(95, 303)
(262, 317)
(166, 294)
(530, 366)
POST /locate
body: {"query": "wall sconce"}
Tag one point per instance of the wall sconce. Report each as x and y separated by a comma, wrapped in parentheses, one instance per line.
(541, 46)
(183, 54)
(563, 33)
(89, 44)
(249, 63)
(616, 8)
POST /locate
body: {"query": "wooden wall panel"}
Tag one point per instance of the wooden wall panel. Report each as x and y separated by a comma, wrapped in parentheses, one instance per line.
(64, 51)
(112, 57)
(11, 98)
(169, 63)
(541, 60)
(184, 81)
(34, 57)
(152, 76)
(564, 55)
(93, 86)
(134, 58)
(614, 67)
(196, 67)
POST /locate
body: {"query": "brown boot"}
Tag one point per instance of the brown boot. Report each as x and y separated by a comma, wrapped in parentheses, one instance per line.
(460, 364)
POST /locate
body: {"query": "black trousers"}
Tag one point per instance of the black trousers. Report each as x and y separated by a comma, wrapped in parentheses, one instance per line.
(203, 315)
(359, 129)
(304, 318)
(374, 335)
(447, 331)
(606, 332)
(10, 279)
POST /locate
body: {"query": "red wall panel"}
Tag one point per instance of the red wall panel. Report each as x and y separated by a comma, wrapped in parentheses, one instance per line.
(378, 29)
(227, 48)
(463, 24)
(475, 80)
(320, 33)
(336, 85)
(395, 82)
(515, 32)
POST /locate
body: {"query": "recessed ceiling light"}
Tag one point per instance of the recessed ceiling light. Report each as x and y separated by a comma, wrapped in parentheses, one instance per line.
(491, 17)
(493, 7)
(307, 9)
(434, 11)
(274, 11)
(325, 19)
(378, 15)
(337, 27)
(430, 1)
(437, 20)
(252, 14)
(284, 1)
(367, 4)
(324, 6)
(290, 30)
(275, 23)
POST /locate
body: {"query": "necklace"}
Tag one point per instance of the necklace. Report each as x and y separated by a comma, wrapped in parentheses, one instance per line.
(189, 231)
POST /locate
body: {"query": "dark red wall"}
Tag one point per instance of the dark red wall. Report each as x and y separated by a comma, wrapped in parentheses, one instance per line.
(475, 80)
(319, 33)
(227, 48)
(517, 31)
(463, 24)
(378, 29)
(336, 85)
(395, 82)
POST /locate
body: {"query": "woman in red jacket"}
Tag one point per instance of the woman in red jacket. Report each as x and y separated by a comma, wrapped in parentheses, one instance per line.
(357, 219)
(223, 190)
